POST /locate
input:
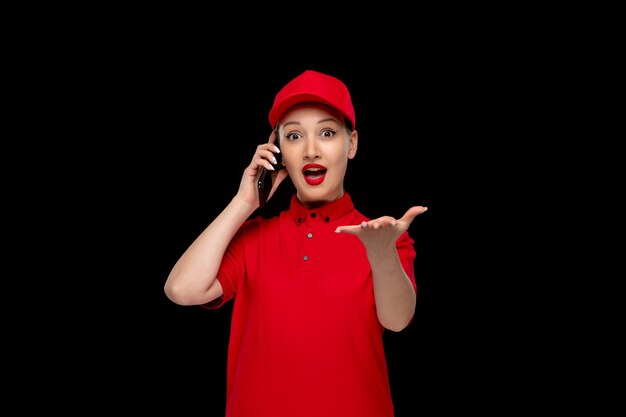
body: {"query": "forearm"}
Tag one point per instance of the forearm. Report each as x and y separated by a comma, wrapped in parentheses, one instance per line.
(193, 274)
(394, 293)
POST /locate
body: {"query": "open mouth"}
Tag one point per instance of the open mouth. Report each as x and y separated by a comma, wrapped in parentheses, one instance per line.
(314, 174)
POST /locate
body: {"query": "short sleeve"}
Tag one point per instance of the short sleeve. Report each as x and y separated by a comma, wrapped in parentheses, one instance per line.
(232, 268)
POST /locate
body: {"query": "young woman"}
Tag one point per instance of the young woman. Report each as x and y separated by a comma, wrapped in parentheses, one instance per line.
(315, 287)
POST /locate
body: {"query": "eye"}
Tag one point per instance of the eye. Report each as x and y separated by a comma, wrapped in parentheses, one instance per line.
(292, 136)
(328, 133)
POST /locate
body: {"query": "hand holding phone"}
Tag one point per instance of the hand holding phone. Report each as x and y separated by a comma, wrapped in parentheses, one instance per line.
(264, 184)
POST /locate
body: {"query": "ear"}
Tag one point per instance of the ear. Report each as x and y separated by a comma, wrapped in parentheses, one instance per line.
(354, 144)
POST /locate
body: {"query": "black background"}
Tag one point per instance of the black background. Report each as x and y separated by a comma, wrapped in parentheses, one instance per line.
(164, 133)
(204, 124)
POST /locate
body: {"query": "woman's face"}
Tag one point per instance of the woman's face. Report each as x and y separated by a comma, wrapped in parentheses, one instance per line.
(316, 146)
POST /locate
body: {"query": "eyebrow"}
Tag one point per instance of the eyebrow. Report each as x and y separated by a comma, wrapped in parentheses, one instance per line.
(329, 119)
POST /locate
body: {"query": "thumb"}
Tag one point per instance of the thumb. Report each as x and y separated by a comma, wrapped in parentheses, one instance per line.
(280, 177)
(412, 213)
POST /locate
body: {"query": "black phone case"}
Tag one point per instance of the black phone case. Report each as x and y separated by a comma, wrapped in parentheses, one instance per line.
(264, 183)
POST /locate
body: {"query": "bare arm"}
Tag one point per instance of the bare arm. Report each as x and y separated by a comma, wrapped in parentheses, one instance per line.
(192, 280)
(393, 290)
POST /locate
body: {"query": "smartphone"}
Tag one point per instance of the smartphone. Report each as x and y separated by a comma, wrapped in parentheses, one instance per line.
(264, 183)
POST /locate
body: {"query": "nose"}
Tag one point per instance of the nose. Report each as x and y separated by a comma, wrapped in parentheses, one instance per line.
(311, 149)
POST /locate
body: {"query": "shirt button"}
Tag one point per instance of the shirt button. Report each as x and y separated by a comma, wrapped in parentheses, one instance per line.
(306, 258)
(310, 235)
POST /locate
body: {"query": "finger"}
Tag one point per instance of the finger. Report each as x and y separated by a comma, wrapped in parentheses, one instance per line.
(353, 230)
(266, 151)
(273, 139)
(413, 212)
(264, 163)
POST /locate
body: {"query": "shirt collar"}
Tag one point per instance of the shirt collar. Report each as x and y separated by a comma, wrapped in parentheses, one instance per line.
(328, 212)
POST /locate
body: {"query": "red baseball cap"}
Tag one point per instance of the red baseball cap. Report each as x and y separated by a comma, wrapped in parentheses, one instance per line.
(317, 87)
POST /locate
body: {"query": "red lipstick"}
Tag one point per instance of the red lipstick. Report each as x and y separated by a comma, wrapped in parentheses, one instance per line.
(314, 174)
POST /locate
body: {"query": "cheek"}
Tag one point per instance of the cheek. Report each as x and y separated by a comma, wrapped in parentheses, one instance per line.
(338, 166)
(342, 155)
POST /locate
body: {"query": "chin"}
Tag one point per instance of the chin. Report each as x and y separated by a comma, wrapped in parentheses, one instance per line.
(318, 196)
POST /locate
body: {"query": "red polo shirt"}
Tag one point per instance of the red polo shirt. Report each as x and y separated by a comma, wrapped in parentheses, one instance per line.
(305, 340)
